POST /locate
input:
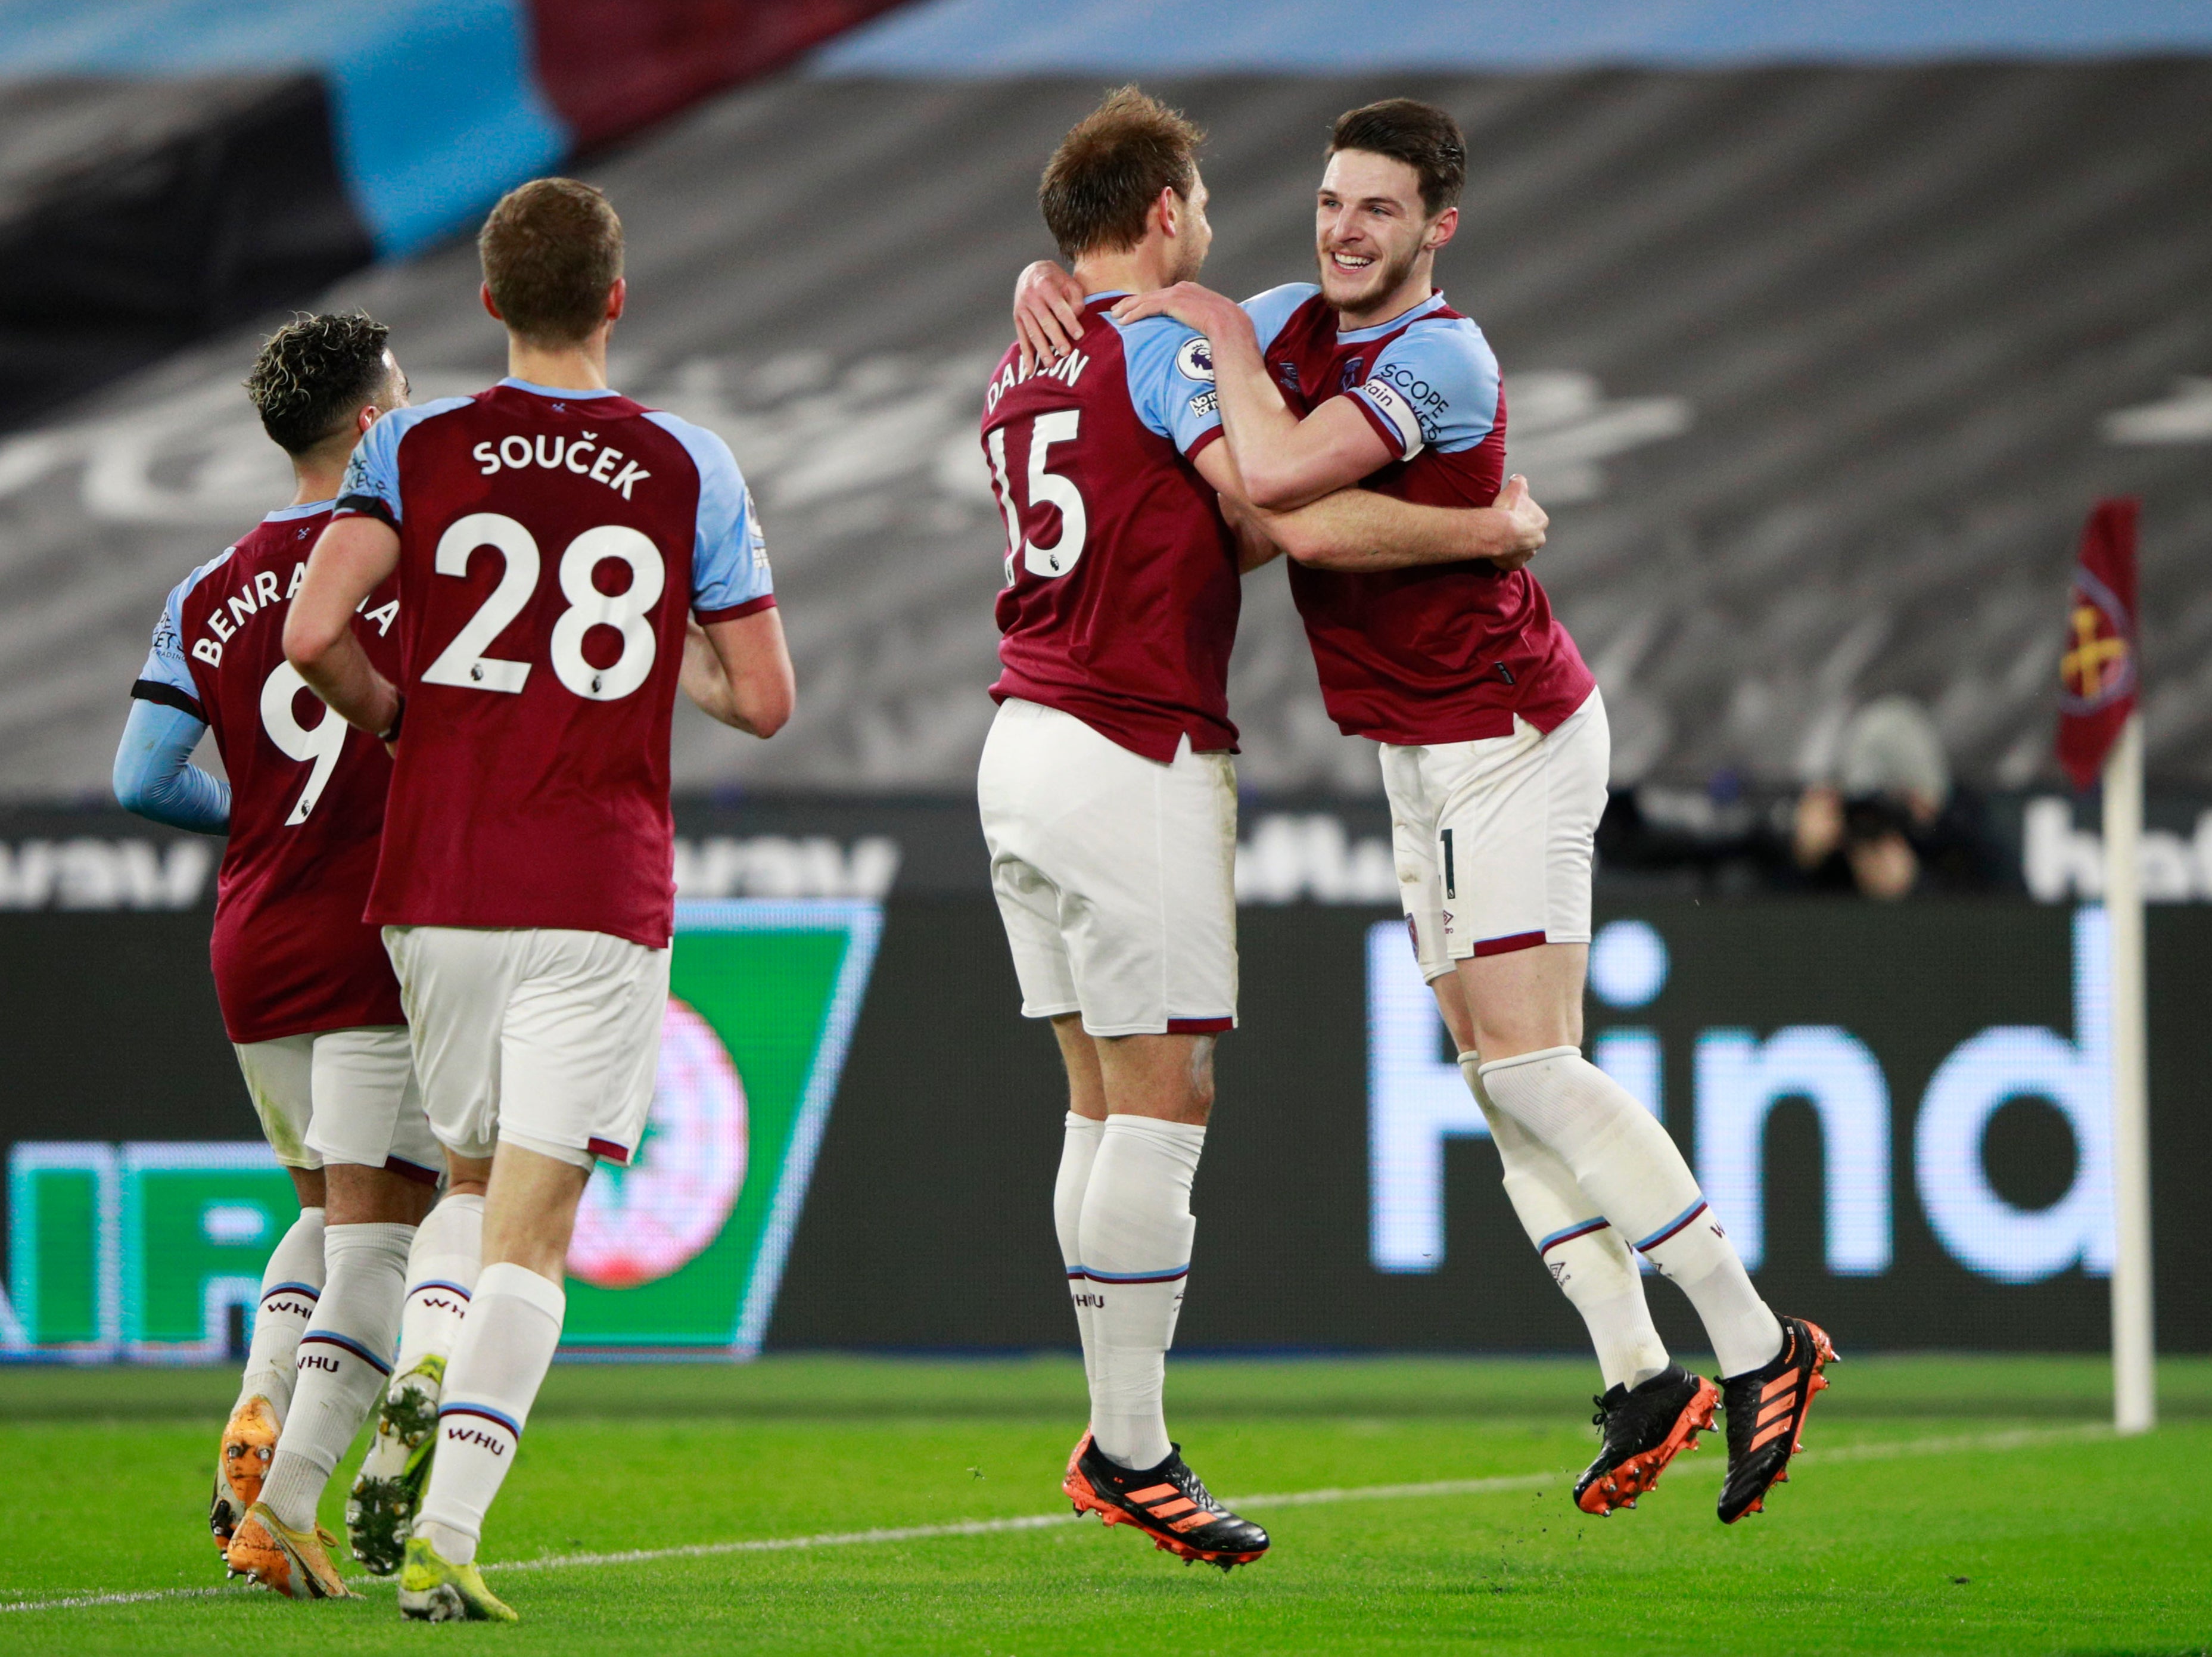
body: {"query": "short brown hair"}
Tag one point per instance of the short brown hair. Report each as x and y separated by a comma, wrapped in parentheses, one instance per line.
(314, 374)
(551, 249)
(1111, 167)
(1420, 135)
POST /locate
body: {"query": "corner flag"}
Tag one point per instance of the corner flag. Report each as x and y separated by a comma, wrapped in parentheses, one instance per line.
(2097, 678)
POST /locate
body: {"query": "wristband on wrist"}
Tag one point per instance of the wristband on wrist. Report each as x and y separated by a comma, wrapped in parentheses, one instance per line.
(391, 733)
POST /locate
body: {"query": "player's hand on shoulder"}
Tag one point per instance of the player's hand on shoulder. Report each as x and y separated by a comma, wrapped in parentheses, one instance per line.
(1047, 313)
(1188, 303)
(1529, 523)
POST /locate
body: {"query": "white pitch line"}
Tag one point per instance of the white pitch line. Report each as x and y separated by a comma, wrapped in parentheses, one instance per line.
(2019, 1438)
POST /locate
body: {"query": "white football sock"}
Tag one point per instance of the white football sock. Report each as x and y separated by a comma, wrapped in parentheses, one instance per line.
(1135, 1235)
(441, 1276)
(344, 1357)
(1625, 1160)
(1078, 1151)
(1583, 1251)
(291, 1283)
(499, 1362)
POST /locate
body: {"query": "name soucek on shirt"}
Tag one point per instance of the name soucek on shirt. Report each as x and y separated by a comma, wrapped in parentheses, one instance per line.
(290, 951)
(1443, 653)
(551, 543)
(1121, 593)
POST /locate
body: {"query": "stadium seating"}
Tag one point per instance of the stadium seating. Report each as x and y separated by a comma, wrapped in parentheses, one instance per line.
(1819, 367)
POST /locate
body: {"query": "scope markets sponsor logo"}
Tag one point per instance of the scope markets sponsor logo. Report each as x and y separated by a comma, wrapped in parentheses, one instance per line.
(87, 873)
(1416, 1098)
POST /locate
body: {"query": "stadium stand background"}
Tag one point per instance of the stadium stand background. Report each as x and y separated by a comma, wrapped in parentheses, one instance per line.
(1818, 365)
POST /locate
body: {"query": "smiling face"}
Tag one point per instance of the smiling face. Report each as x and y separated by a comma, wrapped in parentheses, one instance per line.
(1371, 233)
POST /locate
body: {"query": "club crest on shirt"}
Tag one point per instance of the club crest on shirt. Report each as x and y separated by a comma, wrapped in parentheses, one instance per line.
(1353, 370)
(1196, 358)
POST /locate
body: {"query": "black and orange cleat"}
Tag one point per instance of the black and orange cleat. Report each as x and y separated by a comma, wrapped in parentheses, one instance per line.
(1766, 1410)
(1644, 1429)
(1167, 1503)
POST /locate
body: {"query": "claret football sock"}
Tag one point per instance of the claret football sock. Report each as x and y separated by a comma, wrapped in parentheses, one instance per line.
(344, 1357)
(1626, 1161)
(1135, 1237)
(1583, 1251)
(1078, 1151)
(499, 1362)
(441, 1276)
(291, 1283)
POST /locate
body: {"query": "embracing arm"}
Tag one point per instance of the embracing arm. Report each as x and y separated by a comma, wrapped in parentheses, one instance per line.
(154, 776)
(1358, 529)
(1047, 313)
(350, 560)
(1286, 462)
(739, 672)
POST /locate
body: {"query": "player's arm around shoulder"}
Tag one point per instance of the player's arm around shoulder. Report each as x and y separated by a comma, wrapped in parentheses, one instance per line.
(1284, 461)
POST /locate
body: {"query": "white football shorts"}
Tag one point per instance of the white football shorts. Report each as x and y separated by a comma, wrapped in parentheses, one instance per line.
(546, 1038)
(343, 1096)
(1115, 875)
(1493, 839)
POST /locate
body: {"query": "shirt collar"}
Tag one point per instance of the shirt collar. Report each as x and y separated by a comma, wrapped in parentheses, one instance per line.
(562, 391)
(1435, 302)
(305, 510)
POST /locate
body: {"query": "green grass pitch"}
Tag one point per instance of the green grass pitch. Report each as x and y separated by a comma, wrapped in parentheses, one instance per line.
(1946, 1505)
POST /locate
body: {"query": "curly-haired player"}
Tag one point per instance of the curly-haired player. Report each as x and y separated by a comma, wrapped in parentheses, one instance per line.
(307, 993)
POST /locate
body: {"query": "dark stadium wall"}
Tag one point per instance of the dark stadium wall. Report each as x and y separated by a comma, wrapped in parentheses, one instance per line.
(224, 200)
(187, 203)
(1881, 1100)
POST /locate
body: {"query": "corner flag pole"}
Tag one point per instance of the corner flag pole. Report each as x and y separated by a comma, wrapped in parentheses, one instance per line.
(2100, 736)
(2135, 1390)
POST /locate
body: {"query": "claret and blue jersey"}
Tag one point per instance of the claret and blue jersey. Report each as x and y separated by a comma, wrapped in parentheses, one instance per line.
(552, 543)
(1445, 653)
(1424, 380)
(1121, 592)
(291, 952)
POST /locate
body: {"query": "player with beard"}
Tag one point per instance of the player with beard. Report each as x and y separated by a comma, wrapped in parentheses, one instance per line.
(1106, 789)
(306, 992)
(1494, 755)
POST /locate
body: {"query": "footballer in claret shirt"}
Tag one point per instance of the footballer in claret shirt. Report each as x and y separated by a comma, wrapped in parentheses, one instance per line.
(1494, 756)
(306, 992)
(567, 559)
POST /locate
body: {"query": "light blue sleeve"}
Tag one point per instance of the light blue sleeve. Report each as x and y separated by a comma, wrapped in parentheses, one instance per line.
(165, 661)
(1170, 371)
(371, 488)
(1435, 387)
(729, 555)
(372, 476)
(1271, 310)
(154, 776)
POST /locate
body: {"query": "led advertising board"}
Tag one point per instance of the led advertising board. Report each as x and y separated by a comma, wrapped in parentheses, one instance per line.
(141, 1250)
